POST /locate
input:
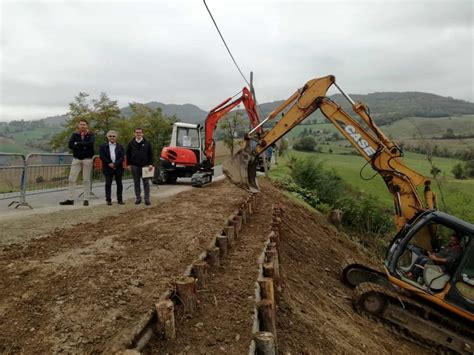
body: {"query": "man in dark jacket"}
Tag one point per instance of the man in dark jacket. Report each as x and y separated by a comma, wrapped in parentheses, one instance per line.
(139, 156)
(112, 155)
(82, 145)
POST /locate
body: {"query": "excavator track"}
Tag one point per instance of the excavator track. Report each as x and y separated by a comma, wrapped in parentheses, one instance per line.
(412, 320)
(354, 273)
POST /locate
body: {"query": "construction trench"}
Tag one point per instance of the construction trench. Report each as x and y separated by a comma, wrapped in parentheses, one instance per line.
(229, 275)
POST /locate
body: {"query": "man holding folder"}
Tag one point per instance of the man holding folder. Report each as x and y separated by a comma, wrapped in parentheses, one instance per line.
(140, 160)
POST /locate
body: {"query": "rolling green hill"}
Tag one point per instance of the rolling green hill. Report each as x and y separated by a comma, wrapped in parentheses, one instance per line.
(445, 136)
(402, 116)
(458, 194)
(28, 141)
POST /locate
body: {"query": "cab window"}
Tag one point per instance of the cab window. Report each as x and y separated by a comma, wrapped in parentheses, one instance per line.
(465, 283)
(187, 137)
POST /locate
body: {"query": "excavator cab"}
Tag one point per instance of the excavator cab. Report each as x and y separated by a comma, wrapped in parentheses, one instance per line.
(450, 281)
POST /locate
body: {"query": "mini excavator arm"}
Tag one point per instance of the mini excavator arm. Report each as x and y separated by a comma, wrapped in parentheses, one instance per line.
(218, 112)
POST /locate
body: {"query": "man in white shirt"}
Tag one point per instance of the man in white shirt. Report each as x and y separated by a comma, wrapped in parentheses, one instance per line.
(112, 155)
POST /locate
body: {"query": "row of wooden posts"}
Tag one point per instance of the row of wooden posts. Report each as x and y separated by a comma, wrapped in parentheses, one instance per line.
(267, 291)
(183, 297)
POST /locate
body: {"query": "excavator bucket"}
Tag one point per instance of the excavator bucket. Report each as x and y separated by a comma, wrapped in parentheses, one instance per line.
(241, 169)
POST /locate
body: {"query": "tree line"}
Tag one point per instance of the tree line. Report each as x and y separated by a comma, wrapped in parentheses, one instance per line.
(103, 114)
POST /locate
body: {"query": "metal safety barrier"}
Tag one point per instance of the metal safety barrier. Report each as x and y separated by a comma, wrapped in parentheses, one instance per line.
(40, 173)
(12, 177)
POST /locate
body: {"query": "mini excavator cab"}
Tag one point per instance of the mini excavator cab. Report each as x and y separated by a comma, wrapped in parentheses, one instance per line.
(191, 152)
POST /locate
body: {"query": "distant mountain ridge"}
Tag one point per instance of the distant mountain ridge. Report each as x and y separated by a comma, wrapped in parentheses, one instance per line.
(186, 113)
(388, 107)
(385, 107)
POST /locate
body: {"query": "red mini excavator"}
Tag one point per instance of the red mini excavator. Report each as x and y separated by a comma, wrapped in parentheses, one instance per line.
(192, 153)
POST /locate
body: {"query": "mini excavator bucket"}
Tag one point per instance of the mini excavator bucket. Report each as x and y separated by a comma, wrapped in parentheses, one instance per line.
(241, 169)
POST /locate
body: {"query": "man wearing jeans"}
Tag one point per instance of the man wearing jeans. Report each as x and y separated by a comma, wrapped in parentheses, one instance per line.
(139, 156)
(82, 145)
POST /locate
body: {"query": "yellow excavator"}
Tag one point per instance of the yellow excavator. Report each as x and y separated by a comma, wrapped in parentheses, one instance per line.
(437, 307)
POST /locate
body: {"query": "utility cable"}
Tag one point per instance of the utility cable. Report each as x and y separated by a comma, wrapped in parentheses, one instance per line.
(225, 44)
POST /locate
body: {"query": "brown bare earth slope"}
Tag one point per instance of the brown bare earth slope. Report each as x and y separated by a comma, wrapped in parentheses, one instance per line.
(83, 289)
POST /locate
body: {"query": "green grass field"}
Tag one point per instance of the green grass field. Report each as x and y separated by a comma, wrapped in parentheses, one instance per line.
(414, 131)
(20, 139)
(459, 194)
(426, 127)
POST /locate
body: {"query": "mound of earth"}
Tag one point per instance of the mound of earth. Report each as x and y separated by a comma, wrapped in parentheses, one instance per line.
(83, 288)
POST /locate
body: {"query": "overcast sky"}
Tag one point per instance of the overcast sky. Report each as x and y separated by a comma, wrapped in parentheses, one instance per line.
(170, 51)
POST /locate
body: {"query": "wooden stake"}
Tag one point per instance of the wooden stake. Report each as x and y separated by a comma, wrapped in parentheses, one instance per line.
(271, 256)
(266, 315)
(271, 245)
(235, 225)
(276, 227)
(200, 273)
(249, 206)
(243, 214)
(186, 292)
(221, 242)
(265, 343)
(213, 258)
(229, 232)
(236, 222)
(267, 290)
(166, 323)
(275, 238)
(268, 270)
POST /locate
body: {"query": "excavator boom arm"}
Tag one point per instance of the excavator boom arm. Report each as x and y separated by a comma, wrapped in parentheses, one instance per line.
(382, 153)
(384, 157)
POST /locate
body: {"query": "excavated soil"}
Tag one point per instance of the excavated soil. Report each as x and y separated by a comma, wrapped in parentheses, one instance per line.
(315, 314)
(84, 288)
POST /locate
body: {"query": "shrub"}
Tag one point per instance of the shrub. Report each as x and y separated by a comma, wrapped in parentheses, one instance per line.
(458, 171)
(306, 195)
(365, 214)
(469, 168)
(311, 175)
(306, 144)
(324, 190)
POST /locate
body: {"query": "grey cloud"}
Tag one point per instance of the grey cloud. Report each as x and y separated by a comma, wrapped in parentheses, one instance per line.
(170, 51)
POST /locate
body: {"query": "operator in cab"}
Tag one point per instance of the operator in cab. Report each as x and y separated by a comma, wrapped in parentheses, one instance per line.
(446, 258)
